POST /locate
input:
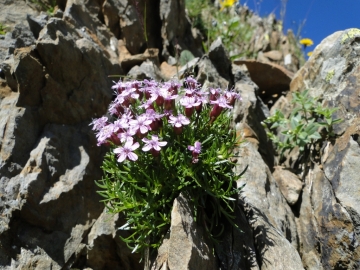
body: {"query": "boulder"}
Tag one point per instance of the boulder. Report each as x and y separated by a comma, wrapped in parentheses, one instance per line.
(328, 213)
(272, 79)
(187, 246)
(289, 184)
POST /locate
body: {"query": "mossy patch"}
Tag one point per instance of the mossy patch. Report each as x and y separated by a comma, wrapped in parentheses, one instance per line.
(350, 34)
(329, 75)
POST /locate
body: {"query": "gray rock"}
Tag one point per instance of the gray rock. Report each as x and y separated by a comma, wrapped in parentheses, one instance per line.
(59, 43)
(20, 37)
(176, 29)
(187, 247)
(289, 184)
(220, 59)
(37, 23)
(330, 73)
(335, 230)
(147, 70)
(207, 74)
(105, 249)
(14, 12)
(328, 224)
(56, 180)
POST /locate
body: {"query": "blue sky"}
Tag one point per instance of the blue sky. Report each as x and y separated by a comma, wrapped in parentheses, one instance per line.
(322, 17)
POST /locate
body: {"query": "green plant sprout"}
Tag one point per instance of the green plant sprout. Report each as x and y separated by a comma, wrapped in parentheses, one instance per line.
(48, 6)
(185, 57)
(2, 29)
(165, 139)
(309, 123)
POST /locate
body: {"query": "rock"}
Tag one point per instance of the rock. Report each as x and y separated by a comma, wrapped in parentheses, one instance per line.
(271, 219)
(176, 29)
(56, 180)
(207, 74)
(168, 71)
(129, 61)
(328, 220)
(274, 55)
(220, 59)
(264, 206)
(331, 74)
(56, 44)
(189, 68)
(289, 184)
(261, 58)
(27, 68)
(14, 12)
(105, 249)
(237, 249)
(20, 37)
(147, 70)
(272, 79)
(186, 246)
(132, 25)
(335, 229)
(37, 23)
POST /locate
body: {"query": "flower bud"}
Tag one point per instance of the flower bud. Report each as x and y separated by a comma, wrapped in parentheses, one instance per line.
(189, 112)
(178, 130)
(215, 112)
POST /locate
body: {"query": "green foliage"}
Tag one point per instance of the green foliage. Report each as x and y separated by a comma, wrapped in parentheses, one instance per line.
(2, 29)
(309, 123)
(214, 23)
(46, 5)
(185, 57)
(144, 191)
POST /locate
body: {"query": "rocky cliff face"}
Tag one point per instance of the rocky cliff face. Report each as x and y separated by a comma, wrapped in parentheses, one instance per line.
(54, 78)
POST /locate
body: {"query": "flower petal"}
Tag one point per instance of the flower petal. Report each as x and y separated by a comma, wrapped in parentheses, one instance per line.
(118, 150)
(132, 156)
(162, 143)
(147, 147)
(135, 146)
(122, 157)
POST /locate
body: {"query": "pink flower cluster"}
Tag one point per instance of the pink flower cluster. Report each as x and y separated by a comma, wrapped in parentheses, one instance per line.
(140, 109)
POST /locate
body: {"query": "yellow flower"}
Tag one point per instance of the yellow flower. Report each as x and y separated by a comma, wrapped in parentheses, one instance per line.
(226, 3)
(306, 42)
(309, 54)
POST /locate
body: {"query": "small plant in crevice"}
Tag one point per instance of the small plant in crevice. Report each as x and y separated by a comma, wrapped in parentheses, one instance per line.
(3, 29)
(165, 139)
(48, 6)
(213, 23)
(185, 57)
(307, 127)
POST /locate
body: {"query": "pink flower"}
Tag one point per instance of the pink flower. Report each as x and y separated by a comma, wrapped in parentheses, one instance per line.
(219, 104)
(189, 103)
(231, 97)
(152, 144)
(155, 118)
(215, 93)
(127, 151)
(196, 150)
(191, 82)
(119, 86)
(141, 124)
(106, 133)
(121, 123)
(178, 122)
(124, 136)
(99, 123)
